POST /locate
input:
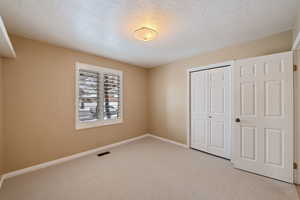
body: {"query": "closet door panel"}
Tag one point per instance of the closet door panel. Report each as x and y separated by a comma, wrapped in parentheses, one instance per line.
(218, 136)
(199, 110)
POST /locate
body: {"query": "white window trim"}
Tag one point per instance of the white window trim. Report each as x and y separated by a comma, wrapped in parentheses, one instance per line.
(84, 125)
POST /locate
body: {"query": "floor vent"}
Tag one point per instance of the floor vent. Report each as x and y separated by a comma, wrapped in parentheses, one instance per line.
(104, 153)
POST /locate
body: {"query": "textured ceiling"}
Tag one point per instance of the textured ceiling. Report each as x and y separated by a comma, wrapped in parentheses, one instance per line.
(186, 27)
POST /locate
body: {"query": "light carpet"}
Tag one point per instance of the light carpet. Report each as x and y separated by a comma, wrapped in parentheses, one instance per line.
(147, 169)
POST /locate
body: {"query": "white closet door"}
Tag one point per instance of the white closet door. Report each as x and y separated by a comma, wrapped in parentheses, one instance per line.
(210, 109)
(219, 108)
(263, 108)
(199, 110)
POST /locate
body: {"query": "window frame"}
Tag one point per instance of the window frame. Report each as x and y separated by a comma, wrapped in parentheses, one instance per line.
(100, 122)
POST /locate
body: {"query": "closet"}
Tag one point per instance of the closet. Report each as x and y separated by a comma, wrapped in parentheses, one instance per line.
(243, 111)
(210, 110)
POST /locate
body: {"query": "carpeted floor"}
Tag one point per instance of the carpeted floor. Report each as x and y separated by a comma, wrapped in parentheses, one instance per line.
(147, 169)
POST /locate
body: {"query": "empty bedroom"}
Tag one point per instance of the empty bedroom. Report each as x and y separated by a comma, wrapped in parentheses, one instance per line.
(149, 100)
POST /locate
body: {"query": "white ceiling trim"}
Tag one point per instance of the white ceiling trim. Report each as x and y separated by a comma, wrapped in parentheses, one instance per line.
(296, 44)
(6, 48)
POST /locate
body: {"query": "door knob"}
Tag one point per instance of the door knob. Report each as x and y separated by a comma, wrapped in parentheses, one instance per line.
(237, 120)
(209, 116)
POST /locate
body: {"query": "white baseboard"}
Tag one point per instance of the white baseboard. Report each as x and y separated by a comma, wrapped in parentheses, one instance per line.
(79, 155)
(68, 158)
(89, 152)
(167, 140)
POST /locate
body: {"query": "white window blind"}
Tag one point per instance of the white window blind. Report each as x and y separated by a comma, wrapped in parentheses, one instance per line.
(111, 95)
(99, 96)
(89, 99)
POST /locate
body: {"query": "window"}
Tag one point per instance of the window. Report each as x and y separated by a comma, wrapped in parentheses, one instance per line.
(98, 96)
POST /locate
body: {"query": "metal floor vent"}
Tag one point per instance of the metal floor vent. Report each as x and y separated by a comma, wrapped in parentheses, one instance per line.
(104, 153)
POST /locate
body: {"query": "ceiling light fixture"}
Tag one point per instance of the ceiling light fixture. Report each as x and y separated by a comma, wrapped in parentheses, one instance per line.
(145, 34)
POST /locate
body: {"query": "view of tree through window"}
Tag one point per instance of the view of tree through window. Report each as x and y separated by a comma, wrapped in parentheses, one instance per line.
(99, 95)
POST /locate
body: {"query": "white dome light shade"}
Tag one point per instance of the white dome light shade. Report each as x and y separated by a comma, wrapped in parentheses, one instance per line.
(145, 34)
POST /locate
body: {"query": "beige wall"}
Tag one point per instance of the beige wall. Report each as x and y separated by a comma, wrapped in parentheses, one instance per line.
(39, 104)
(39, 99)
(168, 84)
(1, 120)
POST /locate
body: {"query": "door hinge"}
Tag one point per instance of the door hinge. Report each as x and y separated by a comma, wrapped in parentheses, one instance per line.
(295, 165)
(295, 67)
